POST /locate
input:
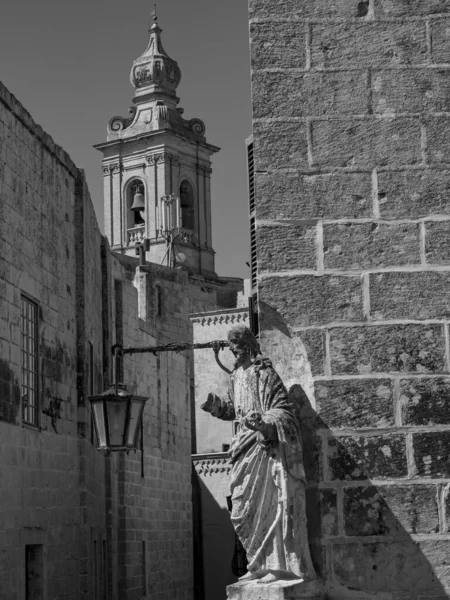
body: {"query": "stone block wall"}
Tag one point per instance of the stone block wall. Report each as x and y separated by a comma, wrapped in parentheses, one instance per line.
(351, 121)
(117, 527)
(39, 466)
(154, 494)
(96, 475)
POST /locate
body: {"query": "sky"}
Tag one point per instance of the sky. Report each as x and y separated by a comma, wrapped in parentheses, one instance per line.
(68, 63)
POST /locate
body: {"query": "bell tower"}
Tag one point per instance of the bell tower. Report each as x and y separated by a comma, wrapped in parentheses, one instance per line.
(157, 170)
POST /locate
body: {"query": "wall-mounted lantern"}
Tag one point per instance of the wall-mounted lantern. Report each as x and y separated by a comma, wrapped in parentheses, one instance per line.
(117, 419)
(117, 414)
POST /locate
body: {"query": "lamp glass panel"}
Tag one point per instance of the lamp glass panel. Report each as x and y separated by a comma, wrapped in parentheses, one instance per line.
(117, 414)
(99, 417)
(137, 406)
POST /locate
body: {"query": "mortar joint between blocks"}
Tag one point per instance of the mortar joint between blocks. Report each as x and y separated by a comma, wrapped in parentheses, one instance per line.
(397, 402)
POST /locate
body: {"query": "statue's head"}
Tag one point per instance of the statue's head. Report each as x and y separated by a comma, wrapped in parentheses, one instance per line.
(243, 344)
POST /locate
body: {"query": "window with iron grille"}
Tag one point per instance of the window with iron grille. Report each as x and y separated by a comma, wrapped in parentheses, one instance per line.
(29, 360)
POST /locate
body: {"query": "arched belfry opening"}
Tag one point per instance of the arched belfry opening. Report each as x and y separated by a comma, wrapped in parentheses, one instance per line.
(135, 203)
(187, 205)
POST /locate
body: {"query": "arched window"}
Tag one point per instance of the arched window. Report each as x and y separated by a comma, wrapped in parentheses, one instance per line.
(134, 188)
(134, 219)
(187, 205)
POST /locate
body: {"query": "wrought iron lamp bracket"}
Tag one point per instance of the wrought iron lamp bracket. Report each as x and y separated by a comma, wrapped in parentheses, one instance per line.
(118, 351)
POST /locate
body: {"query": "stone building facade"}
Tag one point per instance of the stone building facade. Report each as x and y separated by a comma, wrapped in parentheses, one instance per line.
(351, 122)
(74, 522)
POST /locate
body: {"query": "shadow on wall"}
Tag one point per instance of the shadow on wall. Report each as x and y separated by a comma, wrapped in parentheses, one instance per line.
(215, 551)
(356, 538)
(375, 539)
(9, 394)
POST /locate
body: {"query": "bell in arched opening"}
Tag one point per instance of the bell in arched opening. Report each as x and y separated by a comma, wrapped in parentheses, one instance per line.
(138, 200)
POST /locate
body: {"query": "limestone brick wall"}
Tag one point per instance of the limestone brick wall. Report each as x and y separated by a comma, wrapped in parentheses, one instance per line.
(154, 485)
(96, 476)
(351, 129)
(117, 527)
(40, 466)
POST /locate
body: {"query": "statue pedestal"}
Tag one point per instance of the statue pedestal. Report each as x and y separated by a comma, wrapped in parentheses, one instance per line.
(279, 590)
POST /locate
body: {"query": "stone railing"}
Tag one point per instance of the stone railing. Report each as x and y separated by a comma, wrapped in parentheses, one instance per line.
(185, 235)
(136, 235)
(214, 463)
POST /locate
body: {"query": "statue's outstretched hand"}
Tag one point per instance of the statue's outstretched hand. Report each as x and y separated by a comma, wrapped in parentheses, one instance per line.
(212, 405)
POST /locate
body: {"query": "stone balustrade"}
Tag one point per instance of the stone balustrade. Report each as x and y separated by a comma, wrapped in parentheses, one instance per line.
(136, 235)
(186, 235)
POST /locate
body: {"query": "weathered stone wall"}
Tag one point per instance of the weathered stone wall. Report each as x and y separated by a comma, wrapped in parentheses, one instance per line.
(351, 125)
(154, 486)
(98, 546)
(39, 466)
(90, 513)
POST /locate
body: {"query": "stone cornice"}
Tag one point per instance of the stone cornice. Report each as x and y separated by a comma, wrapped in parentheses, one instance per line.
(206, 319)
(162, 158)
(155, 134)
(111, 168)
(205, 171)
(212, 464)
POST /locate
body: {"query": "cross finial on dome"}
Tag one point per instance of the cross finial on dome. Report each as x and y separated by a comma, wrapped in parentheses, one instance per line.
(154, 26)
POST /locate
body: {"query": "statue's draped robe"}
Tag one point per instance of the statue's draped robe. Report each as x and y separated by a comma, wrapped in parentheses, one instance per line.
(267, 478)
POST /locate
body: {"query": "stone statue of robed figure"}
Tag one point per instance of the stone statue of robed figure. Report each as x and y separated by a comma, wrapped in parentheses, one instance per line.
(267, 475)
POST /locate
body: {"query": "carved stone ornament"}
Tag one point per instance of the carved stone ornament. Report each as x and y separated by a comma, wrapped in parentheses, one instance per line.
(142, 76)
(227, 318)
(112, 168)
(118, 123)
(165, 157)
(162, 158)
(212, 466)
(162, 113)
(204, 171)
(197, 126)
